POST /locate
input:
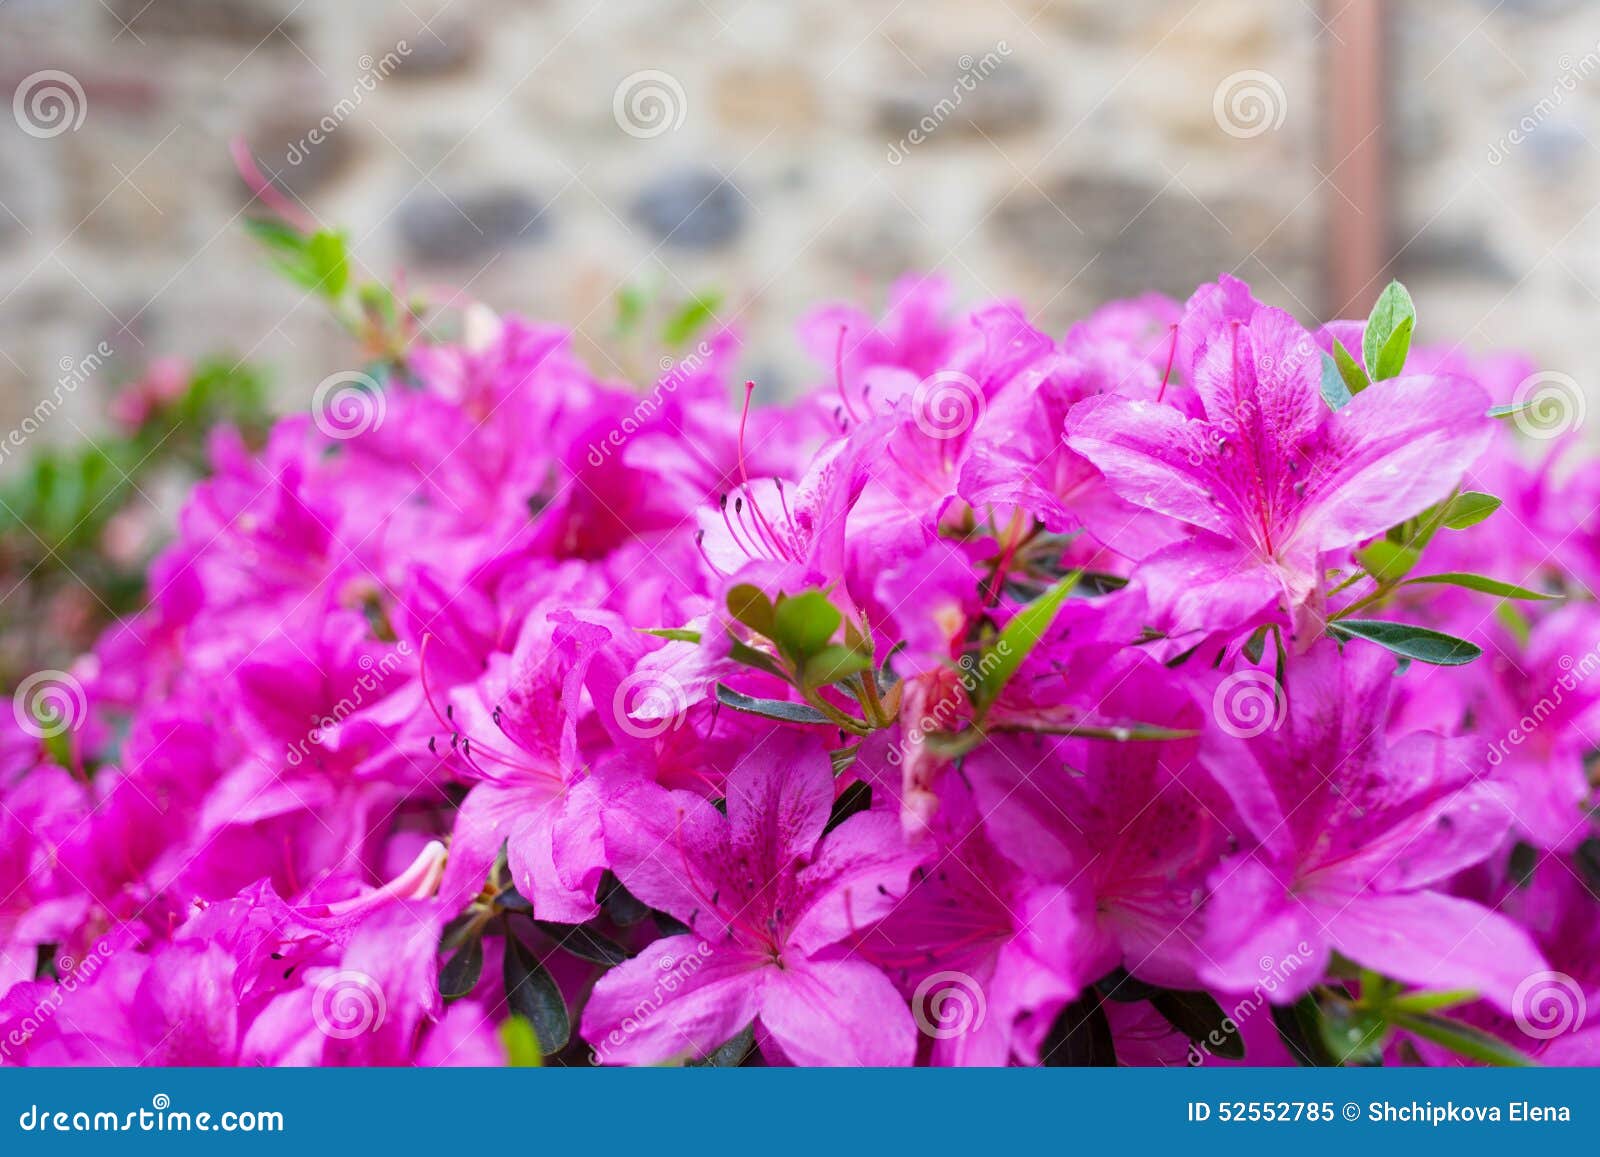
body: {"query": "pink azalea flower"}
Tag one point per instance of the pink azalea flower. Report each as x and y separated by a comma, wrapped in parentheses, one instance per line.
(768, 898)
(1270, 479)
(1355, 834)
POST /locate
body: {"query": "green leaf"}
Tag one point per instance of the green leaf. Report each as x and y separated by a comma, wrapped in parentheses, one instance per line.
(730, 1055)
(1469, 508)
(1392, 309)
(329, 263)
(624, 909)
(676, 634)
(1392, 358)
(1299, 1026)
(1080, 1037)
(1430, 1001)
(1353, 1034)
(1387, 561)
(1256, 645)
(1334, 390)
(532, 993)
(1482, 583)
(852, 800)
(1470, 1042)
(748, 604)
(805, 623)
(512, 900)
(1509, 410)
(1017, 641)
(833, 663)
(1510, 616)
(779, 709)
(1407, 641)
(521, 1045)
(317, 262)
(690, 319)
(1350, 371)
(760, 660)
(1199, 1017)
(584, 942)
(460, 973)
(1124, 987)
(631, 303)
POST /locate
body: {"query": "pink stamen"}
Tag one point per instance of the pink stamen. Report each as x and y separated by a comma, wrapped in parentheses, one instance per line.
(265, 191)
(838, 374)
(1172, 354)
(417, 882)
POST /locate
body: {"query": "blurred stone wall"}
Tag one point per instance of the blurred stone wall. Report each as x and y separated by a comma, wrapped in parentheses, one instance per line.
(536, 155)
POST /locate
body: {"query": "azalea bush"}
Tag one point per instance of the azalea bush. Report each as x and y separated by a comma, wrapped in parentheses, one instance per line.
(1193, 688)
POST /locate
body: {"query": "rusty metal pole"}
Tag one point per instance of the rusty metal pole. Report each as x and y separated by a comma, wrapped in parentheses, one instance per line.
(1359, 239)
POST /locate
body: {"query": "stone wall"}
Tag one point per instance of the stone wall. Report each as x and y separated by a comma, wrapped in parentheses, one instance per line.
(535, 155)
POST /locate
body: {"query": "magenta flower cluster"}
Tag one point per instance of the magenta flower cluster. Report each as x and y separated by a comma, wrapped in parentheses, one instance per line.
(1195, 687)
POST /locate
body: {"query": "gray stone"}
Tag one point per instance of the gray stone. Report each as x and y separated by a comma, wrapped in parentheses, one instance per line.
(440, 229)
(693, 209)
(248, 22)
(1453, 254)
(445, 48)
(1139, 236)
(296, 163)
(1006, 100)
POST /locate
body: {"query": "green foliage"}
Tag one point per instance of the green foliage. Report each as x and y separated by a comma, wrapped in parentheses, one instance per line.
(1407, 641)
(1393, 311)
